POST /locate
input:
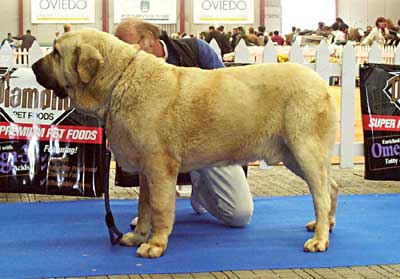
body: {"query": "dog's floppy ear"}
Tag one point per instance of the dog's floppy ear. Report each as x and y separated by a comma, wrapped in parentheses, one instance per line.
(89, 60)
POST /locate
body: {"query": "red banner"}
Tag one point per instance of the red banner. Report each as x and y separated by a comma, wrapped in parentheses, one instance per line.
(43, 132)
(381, 122)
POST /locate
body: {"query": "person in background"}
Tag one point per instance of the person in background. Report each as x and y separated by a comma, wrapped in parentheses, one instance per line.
(278, 39)
(356, 35)
(242, 35)
(26, 40)
(320, 29)
(252, 37)
(222, 191)
(262, 36)
(338, 22)
(398, 33)
(367, 30)
(228, 35)
(345, 29)
(221, 40)
(328, 34)
(235, 38)
(393, 35)
(290, 37)
(10, 41)
(378, 33)
(338, 35)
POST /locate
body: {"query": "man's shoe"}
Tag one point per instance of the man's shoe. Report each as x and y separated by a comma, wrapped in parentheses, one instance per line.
(134, 223)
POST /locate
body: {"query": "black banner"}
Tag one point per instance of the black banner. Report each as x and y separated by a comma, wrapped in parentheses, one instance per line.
(46, 146)
(380, 108)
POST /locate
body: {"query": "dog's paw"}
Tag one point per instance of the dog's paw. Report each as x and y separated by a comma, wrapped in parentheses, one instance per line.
(310, 226)
(132, 239)
(316, 245)
(147, 250)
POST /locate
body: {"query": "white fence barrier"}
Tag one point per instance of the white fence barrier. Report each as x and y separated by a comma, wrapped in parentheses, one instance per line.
(335, 51)
(10, 57)
(349, 58)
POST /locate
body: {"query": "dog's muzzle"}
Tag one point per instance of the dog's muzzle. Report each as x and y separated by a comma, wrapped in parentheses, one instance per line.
(43, 78)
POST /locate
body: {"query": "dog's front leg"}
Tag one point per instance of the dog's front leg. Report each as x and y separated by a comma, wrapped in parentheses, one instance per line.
(161, 182)
(143, 227)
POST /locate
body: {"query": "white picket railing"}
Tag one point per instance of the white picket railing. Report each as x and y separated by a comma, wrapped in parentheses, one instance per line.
(10, 57)
(309, 51)
(349, 58)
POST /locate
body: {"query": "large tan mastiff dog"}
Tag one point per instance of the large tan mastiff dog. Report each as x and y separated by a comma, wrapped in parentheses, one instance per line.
(161, 119)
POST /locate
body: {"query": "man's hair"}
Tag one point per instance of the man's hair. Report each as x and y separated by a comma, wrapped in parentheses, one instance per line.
(141, 27)
(28, 31)
(211, 28)
(276, 32)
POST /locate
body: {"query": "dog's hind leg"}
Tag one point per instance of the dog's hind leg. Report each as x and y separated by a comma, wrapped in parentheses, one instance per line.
(312, 159)
(334, 191)
(143, 227)
(291, 163)
(161, 174)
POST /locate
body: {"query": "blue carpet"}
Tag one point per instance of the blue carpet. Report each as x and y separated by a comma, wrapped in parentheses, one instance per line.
(65, 239)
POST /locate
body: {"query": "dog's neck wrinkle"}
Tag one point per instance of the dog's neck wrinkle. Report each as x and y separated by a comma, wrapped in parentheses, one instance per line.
(103, 112)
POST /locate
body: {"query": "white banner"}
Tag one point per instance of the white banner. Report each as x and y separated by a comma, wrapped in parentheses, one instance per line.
(63, 11)
(223, 11)
(26, 101)
(155, 11)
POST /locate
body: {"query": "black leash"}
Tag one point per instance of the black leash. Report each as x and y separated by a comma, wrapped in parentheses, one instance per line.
(115, 234)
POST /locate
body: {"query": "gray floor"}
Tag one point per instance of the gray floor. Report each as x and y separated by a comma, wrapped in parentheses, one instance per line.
(275, 182)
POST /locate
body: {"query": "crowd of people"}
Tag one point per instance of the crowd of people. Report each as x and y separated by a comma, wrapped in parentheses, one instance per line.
(385, 32)
(24, 41)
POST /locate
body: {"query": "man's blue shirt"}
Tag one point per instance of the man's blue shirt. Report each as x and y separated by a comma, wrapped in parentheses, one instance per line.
(208, 58)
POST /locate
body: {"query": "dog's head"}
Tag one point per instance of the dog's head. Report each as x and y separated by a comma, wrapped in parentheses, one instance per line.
(79, 67)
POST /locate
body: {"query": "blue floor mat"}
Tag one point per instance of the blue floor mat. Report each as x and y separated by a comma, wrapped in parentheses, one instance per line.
(66, 239)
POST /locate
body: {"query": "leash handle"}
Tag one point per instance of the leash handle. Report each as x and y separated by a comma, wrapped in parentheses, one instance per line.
(114, 233)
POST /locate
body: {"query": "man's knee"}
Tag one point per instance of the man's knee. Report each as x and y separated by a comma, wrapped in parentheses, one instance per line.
(238, 215)
(242, 217)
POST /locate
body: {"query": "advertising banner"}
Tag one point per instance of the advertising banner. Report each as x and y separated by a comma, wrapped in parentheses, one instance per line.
(45, 145)
(380, 108)
(63, 11)
(155, 11)
(223, 11)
